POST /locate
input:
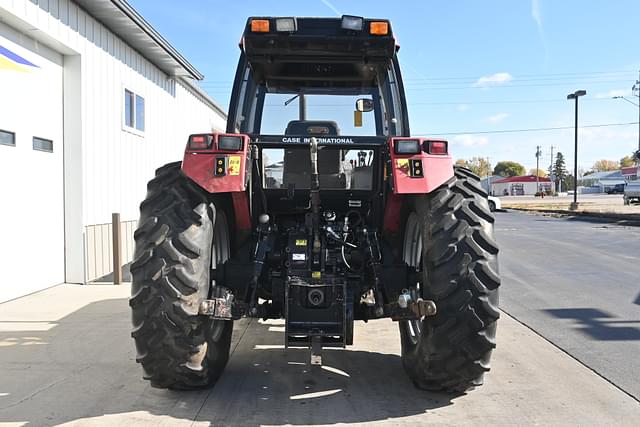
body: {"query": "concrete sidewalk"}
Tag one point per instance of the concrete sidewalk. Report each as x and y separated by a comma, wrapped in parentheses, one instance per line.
(66, 357)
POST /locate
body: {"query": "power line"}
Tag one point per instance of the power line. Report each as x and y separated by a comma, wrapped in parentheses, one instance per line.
(467, 84)
(409, 88)
(549, 76)
(542, 75)
(509, 85)
(519, 79)
(531, 101)
(526, 130)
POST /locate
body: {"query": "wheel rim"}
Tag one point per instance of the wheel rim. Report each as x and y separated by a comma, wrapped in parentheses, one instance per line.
(412, 255)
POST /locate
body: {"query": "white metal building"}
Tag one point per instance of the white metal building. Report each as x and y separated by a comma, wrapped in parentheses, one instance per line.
(520, 185)
(92, 100)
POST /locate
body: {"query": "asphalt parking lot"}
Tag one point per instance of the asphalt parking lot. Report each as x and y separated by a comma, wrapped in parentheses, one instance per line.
(66, 358)
(575, 282)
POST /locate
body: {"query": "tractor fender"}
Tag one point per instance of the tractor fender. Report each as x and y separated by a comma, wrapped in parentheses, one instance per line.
(215, 170)
(420, 172)
(221, 171)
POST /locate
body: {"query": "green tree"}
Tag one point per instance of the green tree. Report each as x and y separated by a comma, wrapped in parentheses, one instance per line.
(478, 165)
(462, 162)
(605, 165)
(560, 171)
(509, 168)
(568, 182)
(541, 172)
(627, 161)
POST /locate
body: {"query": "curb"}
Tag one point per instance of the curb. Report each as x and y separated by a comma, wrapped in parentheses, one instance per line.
(627, 219)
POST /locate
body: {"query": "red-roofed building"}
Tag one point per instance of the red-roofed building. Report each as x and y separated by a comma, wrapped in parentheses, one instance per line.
(630, 173)
(520, 185)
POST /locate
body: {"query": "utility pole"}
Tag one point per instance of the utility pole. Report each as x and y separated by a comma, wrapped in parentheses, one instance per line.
(488, 176)
(551, 173)
(537, 169)
(635, 91)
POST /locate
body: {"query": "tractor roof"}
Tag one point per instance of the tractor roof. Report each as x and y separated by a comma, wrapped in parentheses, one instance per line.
(314, 54)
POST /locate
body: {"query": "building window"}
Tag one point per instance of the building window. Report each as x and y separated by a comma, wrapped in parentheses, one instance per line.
(42, 144)
(7, 138)
(133, 111)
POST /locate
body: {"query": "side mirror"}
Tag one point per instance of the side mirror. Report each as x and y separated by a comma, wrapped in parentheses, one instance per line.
(364, 105)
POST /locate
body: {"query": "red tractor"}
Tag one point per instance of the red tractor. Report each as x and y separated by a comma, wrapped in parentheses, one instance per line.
(284, 217)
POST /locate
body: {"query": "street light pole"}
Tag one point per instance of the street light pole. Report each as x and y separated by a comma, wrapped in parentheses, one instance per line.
(537, 169)
(575, 95)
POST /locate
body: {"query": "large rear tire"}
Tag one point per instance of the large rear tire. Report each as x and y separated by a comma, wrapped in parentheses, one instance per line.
(180, 235)
(449, 236)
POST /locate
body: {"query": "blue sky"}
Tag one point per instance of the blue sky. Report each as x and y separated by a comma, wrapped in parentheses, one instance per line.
(469, 66)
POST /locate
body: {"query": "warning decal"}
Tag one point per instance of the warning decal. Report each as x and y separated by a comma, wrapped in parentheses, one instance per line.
(233, 165)
(403, 165)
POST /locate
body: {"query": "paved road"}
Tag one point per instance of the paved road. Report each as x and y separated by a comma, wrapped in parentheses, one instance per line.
(66, 358)
(577, 283)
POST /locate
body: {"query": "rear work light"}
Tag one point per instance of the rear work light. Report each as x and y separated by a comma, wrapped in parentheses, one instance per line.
(200, 142)
(379, 28)
(436, 147)
(407, 146)
(286, 25)
(352, 23)
(259, 25)
(230, 143)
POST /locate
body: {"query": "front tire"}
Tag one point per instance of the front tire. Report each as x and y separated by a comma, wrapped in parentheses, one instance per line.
(174, 247)
(449, 236)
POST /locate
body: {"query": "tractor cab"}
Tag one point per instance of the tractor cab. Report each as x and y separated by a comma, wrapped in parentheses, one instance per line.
(322, 63)
(320, 215)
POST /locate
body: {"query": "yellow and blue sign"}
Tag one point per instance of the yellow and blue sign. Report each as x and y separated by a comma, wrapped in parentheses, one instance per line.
(14, 62)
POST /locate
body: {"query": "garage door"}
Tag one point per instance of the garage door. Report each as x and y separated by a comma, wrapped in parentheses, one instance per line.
(31, 166)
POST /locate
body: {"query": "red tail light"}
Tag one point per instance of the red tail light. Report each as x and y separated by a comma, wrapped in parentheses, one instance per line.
(436, 147)
(200, 142)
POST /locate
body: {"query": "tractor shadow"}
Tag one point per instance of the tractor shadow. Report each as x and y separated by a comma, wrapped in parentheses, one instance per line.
(269, 385)
(81, 368)
(598, 324)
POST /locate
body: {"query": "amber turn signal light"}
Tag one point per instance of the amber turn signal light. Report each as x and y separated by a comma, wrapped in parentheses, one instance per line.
(379, 28)
(260, 26)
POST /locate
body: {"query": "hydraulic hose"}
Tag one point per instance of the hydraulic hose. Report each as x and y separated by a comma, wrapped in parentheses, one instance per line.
(315, 195)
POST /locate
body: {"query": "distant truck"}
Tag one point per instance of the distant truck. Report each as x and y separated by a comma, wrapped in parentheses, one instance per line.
(631, 192)
(616, 189)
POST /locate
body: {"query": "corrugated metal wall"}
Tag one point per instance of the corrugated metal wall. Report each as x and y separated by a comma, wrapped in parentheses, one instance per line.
(116, 163)
(99, 248)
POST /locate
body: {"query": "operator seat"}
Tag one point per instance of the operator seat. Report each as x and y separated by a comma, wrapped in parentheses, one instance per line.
(297, 164)
(312, 128)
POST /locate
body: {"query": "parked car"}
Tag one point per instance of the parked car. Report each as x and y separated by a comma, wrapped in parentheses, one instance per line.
(631, 192)
(494, 204)
(616, 189)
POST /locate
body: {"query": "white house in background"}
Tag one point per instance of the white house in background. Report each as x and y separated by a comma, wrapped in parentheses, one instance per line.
(519, 185)
(93, 99)
(599, 182)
